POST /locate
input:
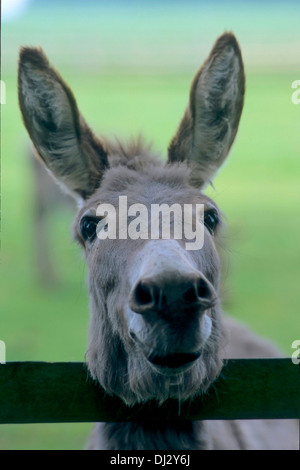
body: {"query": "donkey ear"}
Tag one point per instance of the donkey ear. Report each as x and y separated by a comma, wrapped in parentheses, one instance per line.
(60, 135)
(211, 120)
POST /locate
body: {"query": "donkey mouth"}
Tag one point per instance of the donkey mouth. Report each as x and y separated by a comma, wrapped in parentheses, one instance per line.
(174, 361)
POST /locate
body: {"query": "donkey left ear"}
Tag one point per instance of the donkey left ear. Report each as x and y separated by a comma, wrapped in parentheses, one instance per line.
(63, 140)
(211, 120)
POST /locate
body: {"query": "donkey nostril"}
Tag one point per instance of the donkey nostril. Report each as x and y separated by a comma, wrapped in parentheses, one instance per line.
(190, 295)
(203, 290)
(200, 290)
(143, 294)
(171, 294)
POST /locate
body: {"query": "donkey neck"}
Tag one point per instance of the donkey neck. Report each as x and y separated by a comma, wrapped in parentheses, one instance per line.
(153, 435)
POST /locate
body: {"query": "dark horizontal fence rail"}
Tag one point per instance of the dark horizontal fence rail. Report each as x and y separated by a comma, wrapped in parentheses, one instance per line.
(40, 392)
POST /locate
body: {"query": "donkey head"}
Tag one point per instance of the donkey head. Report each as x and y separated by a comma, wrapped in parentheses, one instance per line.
(155, 329)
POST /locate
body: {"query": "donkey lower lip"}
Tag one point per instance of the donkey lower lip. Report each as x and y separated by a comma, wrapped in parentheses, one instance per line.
(174, 361)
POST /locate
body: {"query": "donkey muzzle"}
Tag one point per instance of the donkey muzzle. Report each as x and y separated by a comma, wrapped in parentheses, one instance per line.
(172, 293)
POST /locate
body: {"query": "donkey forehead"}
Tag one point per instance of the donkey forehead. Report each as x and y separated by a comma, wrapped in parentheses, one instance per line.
(155, 186)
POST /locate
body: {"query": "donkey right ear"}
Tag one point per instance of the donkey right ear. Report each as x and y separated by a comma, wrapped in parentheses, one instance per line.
(211, 120)
(65, 143)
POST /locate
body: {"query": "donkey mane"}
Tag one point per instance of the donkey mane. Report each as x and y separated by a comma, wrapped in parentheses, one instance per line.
(135, 153)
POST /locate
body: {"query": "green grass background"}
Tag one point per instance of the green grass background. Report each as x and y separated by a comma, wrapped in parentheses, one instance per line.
(130, 65)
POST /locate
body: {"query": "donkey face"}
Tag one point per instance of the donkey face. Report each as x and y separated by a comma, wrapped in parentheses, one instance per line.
(155, 310)
(155, 329)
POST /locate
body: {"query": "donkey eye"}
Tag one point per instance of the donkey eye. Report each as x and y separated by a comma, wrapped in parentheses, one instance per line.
(211, 220)
(88, 228)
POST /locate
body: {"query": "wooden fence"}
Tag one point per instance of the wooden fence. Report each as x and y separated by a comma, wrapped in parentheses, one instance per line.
(41, 392)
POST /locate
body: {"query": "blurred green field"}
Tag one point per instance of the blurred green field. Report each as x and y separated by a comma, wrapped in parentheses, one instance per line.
(258, 189)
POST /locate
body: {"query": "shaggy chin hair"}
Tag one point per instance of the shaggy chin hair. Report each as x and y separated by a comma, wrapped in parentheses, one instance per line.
(122, 371)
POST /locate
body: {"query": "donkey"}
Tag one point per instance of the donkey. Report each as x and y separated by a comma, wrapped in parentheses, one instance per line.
(157, 330)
